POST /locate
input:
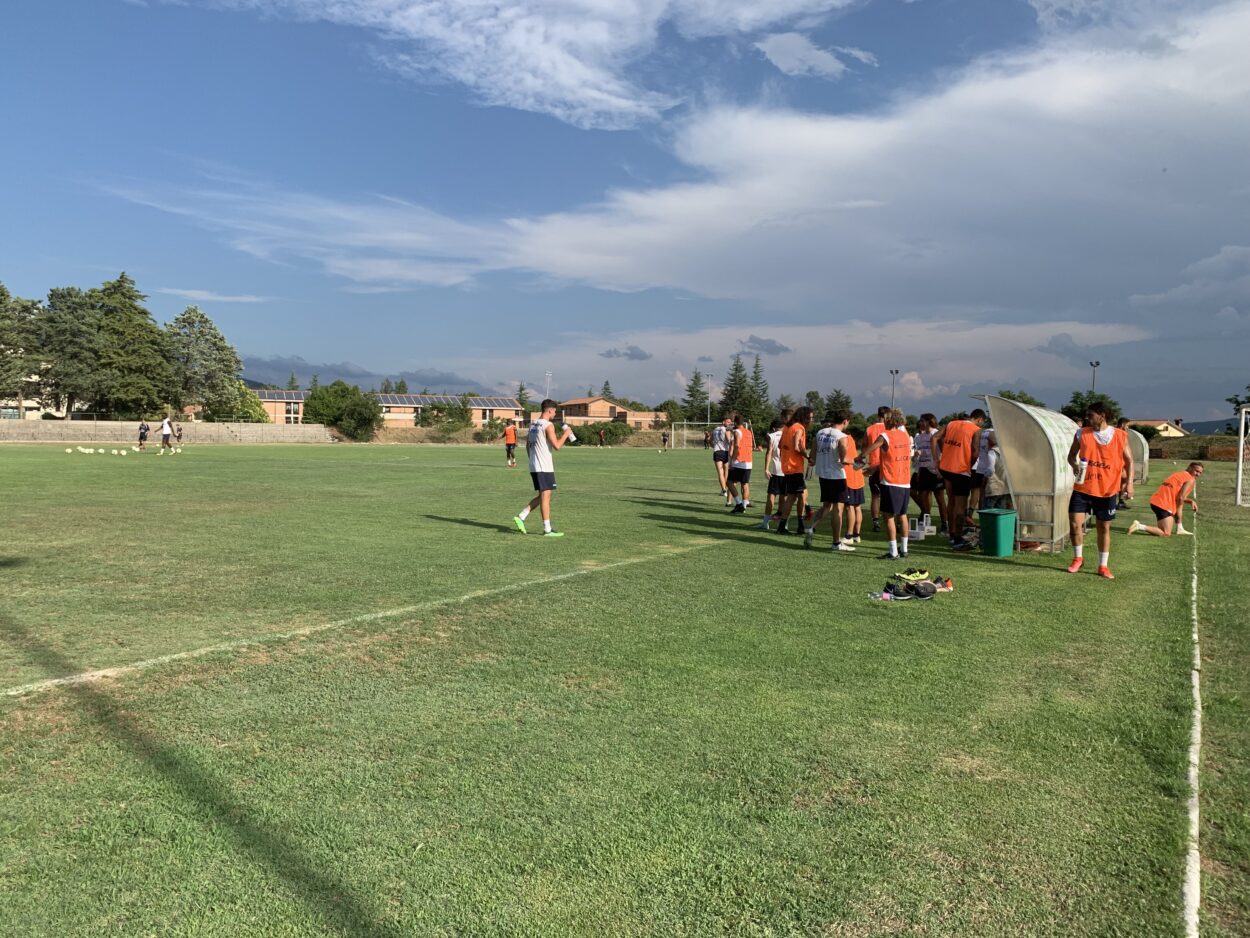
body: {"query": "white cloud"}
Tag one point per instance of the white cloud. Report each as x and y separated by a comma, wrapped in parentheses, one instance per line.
(794, 54)
(909, 386)
(859, 54)
(208, 296)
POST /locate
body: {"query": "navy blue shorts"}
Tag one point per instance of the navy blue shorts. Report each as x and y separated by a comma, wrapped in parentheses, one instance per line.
(776, 485)
(978, 480)
(926, 480)
(793, 484)
(958, 484)
(831, 490)
(1160, 513)
(720, 456)
(1101, 508)
(740, 474)
(874, 482)
(544, 481)
(853, 497)
(894, 499)
(510, 449)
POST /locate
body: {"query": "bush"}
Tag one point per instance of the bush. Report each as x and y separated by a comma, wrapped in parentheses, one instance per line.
(345, 408)
(491, 431)
(615, 432)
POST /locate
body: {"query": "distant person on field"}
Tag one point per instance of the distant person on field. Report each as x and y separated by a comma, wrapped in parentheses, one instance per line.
(509, 444)
(722, 436)
(664, 441)
(707, 439)
(1169, 501)
(742, 448)
(1100, 453)
(794, 463)
(853, 498)
(874, 477)
(178, 434)
(541, 443)
(952, 448)
(144, 430)
(895, 468)
(830, 448)
(167, 431)
(603, 438)
(772, 472)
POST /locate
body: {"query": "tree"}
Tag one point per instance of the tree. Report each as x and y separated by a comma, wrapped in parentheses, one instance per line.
(346, 408)
(784, 402)
(606, 390)
(838, 400)
(1079, 404)
(1021, 397)
(523, 397)
(242, 404)
(736, 395)
(962, 415)
(134, 355)
(315, 382)
(292, 383)
(17, 324)
(815, 400)
(696, 400)
(206, 366)
(673, 409)
(761, 409)
(67, 340)
(1239, 402)
(387, 387)
(401, 386)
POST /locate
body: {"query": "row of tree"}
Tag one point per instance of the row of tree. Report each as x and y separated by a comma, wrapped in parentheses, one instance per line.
(99, 350)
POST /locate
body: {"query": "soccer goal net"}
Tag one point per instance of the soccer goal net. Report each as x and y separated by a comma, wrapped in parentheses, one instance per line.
(1243, 419)
(691, 434)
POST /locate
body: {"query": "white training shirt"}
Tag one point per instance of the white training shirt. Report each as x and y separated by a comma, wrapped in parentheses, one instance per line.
(1103, 436)
(733, 463)
(924, 450)
(166, 429)
(774, 446)
(828, 462)
(537, 447)
(982, 465)
(720, 440)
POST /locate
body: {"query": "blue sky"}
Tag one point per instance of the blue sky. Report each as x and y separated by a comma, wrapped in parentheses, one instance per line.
(982, 194)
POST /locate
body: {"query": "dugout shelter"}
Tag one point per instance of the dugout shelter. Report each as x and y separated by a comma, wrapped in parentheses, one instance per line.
(1141, 456)
(1034, 442)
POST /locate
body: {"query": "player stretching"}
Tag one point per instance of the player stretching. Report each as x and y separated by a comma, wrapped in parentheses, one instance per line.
(794, 461)
(539, 446)
(1100, 456)
(831, 461)
(895, 464)
(1168, 503)
(952, 451)
(721, 438)
(740, 465)
(509, 444)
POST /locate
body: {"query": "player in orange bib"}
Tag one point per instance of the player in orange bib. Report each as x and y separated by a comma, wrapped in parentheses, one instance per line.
(853, 497)
(894, 461)
(740, 451)
(1101, 454)
(874, 464)
(794, 461)
(1168, 503)
(509, 444)
(952, 450)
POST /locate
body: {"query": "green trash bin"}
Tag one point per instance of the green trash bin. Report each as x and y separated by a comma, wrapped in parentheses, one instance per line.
(998, 531)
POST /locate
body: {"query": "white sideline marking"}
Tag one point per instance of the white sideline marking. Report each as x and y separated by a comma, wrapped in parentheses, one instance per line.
(104, 673)
(1191, 892)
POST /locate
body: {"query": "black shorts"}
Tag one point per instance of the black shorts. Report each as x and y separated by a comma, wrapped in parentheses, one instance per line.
(510, 449)
(776, 485)
(831, 490)
(957, 484)
(793, 484)
(978, 480)
(720, 455)
(143, 437)
(874, 481)
(894, 499)
(926, 480)
(740, 474)
(544, 481)
(1160, 513)
(1101, 508)
(853, 497)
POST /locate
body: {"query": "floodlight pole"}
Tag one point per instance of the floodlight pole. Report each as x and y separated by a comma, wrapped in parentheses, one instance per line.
(893, 375)
(709, 397)
(547, 390)
(1241, 450)
(1093, 381)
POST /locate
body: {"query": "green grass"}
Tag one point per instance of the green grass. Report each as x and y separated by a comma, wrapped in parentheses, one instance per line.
(700, 729)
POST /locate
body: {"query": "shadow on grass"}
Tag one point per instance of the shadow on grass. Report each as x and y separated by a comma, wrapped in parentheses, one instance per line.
(8, 563)
(325, 896)
(473, 523)
(680, 504)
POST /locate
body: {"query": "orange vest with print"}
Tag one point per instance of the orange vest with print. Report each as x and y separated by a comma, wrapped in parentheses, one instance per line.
(854, 477)
(746, 445)
(870, 437)
(1106, 464)
(793, 449)
(509, 435)
(1169, 495)
(896, 458)
(957, 446)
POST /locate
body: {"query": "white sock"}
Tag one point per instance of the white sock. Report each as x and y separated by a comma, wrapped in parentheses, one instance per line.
(894, 548)
(1102, 557)
(1078, 551)
(546, 526)
(525, 513)
(739, 501)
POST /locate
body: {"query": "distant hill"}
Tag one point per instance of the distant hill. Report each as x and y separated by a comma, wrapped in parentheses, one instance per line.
(1207, 427)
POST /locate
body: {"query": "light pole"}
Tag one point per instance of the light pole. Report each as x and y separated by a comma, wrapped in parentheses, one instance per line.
(1093, 381)
(547, 391)
(893, 375)
(709, 397)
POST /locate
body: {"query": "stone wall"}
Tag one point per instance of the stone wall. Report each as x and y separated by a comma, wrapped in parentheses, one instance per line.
(119, 431)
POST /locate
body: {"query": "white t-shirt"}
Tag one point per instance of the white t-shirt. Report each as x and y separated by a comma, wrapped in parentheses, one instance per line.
(982, 464)
(996, 477)
(720, 439)
(733, 462)
(774, 446)
(924, 450)
(537, 447)
(828, 461)
(1103, 436)
(166, 429)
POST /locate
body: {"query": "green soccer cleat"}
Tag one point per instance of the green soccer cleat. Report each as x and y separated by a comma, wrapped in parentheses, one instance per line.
(520, 525)
(553, 534)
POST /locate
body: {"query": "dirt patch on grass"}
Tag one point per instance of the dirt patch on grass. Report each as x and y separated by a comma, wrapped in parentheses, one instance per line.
(587, 684)
(968, 766)
(827, 790)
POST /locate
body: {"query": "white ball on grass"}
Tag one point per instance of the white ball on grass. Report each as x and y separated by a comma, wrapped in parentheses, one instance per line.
(69, 450)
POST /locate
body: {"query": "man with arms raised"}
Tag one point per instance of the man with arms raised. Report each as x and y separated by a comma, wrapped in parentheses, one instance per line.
(539, 446)
(953, 451)
(1100, 456)
(1168, 503)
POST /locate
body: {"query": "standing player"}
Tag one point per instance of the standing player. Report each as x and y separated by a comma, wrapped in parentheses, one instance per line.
(1100, 456)
(895, 466)
(874, 465)
(539, 446)
(980, 469)
(951, 447)
(167, 431)
(664, 441)
(794, 460)
(509, 444)
(853, 498)
(1168, 503)
(721, 439)
(926, 483)
(144, 430)
(740, 465)
(831, 463)
(772, 472)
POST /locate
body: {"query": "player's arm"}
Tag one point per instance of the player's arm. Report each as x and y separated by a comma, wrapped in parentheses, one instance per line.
(842, 453)
(1073, 451)
(768, 459)
(935, 446)
(555, 442)
(1186, 498)
(1128, 468)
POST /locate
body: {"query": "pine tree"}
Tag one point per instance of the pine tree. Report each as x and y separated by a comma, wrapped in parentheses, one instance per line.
(401, 386)
(387, 387)
(315, 382)
(206, 366)
(67, 338)
(1021, 397)
(815, 400)
(695, 403)
(838, 400)
(523, 397)
(736, 396)
(292, 383)
(606, 390)
(17, 323)
(784, 402)
(761, 409)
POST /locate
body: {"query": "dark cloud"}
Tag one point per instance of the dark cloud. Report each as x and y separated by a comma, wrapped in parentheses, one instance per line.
(632, 352)
(705, 358)
(277, 369)
(755, 343)
(1063, 346)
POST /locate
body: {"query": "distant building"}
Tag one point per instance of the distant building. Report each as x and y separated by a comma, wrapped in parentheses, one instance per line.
(398, 410)
(583, 410)
(1168, 429)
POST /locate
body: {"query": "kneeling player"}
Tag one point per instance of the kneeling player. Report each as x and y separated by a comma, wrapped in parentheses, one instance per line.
(1169, 502)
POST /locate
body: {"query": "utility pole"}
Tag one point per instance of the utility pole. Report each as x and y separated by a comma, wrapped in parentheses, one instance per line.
(709, 397)
(893, 375)
(1093, 381)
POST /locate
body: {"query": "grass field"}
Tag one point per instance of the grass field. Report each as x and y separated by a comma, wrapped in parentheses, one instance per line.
(419, 722)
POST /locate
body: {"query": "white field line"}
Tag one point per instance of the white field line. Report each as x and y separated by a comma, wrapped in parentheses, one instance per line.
(268, 638)
(1191, 892)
